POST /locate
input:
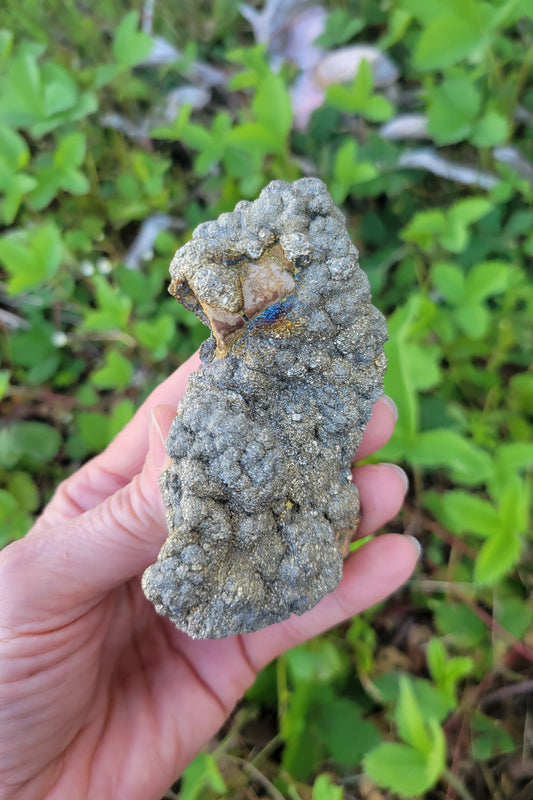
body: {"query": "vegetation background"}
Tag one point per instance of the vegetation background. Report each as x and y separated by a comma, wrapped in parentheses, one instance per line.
(124, 125)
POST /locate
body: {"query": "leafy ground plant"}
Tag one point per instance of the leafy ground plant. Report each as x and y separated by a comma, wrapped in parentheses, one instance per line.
(120, 130)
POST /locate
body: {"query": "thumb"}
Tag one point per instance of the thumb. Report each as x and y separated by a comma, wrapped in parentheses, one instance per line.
(72, 565)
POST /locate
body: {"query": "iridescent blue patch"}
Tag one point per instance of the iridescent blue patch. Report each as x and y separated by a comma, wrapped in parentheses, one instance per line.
(272, 313)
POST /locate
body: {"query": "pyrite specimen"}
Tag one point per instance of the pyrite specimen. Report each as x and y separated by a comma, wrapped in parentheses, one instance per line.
(260, 502)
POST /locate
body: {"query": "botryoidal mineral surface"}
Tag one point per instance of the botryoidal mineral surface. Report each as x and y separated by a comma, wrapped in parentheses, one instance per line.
(260, 503)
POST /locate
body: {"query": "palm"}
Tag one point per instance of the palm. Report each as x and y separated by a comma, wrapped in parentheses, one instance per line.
(115, 701)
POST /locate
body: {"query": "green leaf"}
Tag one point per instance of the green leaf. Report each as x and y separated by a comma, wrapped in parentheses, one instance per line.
(71, 151)
(24, 490)
(459, 624)
(13, 148)
(340, 27)
(130, 45)
(450, 282)
(34, 440)
(513, 505)
(115, 374)
(325, 789)
(121, 415)
(472, 209)
(398, 767)
(497, 556)
(445, 448)
(472, 319)
(315, 662)
(463, 512)
(31, 256)
(423, 363)
(342, 729)
(21, 93)
(487, 279)
(272, 106)
(489, 738)
(452, 107)
(446, 41)
(409, 719)
(358, 98)
(425, 228)
(201, 773)
(491, 130)
(5, 375)
(513, 614)
(156, 334)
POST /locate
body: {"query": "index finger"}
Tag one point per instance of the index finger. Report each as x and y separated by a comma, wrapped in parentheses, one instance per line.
(122, 459)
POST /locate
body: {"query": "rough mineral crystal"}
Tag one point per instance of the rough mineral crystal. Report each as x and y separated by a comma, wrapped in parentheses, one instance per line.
(260, 503)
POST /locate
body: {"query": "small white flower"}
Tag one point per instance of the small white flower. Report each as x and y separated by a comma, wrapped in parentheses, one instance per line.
(104, 266)
(87, 268)
(59, 339)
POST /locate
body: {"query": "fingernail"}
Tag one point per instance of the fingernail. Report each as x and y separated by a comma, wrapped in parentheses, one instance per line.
(416, 545)
(156, 441)
(391, 404)
(402, 474)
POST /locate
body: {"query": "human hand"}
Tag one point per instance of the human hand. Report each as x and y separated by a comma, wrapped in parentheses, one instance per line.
(99, 696)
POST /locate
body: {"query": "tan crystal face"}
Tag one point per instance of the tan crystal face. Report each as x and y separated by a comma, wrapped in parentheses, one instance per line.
(263, 283)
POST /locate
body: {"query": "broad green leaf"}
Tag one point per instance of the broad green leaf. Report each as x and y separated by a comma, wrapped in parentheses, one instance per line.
(71, 151)
(13, 148)
(450, 282)
(446, 41)
(202, 773)
(470, 210)
(445, 448)
(93, 427)
(491, 130)
(452, 108)
(35, 440)
(115, 374)
(340, 27)
(342, 729)
(21, 93)
(459, 624)
(325, 789)
(464, 512)
(23, 489)
(515, 455)
(487, 279)
(272, 106)
(130, 45)
(489, 738)
(425, 228)
(513, 505)
(398, 767)
(60, 90)
(409, 719)
(31, 256)
(497, 556)
(436, 758)
(473, 319)
(513, 614)
(316, 662)
(398, 23)
(423, 363)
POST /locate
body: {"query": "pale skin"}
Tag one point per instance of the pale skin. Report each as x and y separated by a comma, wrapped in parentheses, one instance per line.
(100, 698)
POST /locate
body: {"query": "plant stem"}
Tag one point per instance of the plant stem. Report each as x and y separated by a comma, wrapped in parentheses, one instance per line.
(457, 784)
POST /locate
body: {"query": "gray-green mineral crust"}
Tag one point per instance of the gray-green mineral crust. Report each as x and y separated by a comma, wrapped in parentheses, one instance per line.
(260, 503)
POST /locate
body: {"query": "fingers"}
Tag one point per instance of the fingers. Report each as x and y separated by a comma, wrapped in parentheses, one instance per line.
(380, 427)
(382, 489)
(370, 574)
(56, 572)
(121, 460)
